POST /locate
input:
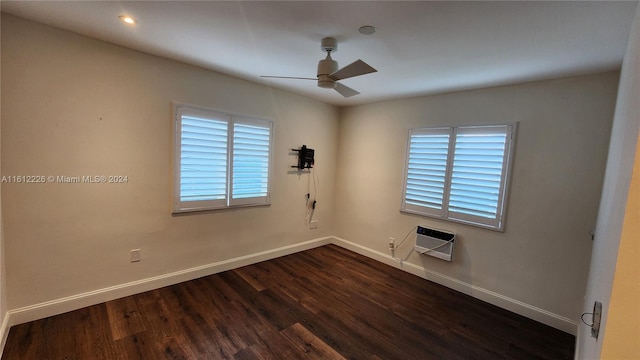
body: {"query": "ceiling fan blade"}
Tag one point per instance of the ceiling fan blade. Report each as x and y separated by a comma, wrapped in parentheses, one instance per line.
(356, 68)
(287, 77)
(345, 91)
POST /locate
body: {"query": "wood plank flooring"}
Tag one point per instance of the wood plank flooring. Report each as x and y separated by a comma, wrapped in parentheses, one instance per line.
(324, 303)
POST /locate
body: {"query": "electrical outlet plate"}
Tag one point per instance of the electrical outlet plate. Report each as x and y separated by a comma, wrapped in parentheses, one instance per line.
(313, 224)
(135, 255)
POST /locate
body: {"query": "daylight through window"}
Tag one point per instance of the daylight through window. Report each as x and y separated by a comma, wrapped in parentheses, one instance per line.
(459, 173)
(221, 160)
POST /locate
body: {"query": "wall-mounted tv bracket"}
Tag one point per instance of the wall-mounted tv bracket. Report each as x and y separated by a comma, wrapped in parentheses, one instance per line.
(305, 158)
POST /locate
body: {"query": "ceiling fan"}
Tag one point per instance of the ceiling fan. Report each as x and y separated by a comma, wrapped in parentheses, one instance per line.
(328, 73)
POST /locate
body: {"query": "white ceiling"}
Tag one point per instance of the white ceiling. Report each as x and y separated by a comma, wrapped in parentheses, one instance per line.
(419, 48)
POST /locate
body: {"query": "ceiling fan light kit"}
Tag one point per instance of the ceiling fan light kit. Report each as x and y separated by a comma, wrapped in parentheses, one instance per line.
(328, 73)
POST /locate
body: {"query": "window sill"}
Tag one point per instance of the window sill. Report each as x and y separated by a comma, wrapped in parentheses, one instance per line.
(458, 221)
(183, 212)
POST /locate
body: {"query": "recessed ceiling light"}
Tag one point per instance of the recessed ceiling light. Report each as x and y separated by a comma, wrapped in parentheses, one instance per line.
(367, 30)
(127, 19)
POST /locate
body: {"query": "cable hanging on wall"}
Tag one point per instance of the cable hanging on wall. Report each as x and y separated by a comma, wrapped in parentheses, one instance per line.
(311, 197)
(305, 164)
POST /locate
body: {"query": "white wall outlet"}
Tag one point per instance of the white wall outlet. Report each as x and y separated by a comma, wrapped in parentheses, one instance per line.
(135, 255)
(392, 244)
(313, 224)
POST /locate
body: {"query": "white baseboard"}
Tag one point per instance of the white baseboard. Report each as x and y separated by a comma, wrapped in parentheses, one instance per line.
(546, 317)
(4, 332)
(59, 306)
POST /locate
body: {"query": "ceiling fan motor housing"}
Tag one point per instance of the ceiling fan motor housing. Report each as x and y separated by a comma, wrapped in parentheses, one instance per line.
(327, 67)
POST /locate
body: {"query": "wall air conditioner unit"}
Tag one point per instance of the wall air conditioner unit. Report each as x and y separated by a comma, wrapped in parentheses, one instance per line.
(434, 242)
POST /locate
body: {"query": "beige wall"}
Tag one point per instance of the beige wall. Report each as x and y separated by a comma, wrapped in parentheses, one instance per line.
(614, 263)
(75, 106)
(541, 258)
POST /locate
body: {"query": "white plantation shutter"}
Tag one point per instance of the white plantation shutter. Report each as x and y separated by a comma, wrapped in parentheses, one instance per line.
(251, 148)
(459, 174)
(478, 174)
(220, 160)
(203, 159)
(426, 170)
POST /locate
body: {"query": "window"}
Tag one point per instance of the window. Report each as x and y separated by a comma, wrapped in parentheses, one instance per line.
(459, 173)
(221, 160)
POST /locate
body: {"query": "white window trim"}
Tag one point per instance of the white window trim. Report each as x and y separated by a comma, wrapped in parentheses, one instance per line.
(444, 214)
(231, 118)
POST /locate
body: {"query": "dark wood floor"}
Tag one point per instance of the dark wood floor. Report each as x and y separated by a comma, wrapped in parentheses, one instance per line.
(325, 303)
